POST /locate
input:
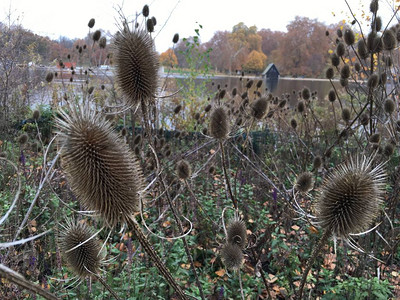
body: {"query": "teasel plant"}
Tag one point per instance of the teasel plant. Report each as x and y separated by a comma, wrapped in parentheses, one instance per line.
(100, 167)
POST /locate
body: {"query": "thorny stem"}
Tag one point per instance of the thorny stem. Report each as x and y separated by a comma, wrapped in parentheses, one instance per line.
(316, 250)
(134, 226)
(185, 244)
(104, 283)
(234, 201)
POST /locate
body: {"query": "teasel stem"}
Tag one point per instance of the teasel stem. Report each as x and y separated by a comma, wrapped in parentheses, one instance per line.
(234, 201)
(262, 273)
(316, 250)
(134, 226)
(19, 280)
(185, 244)
(104, 283)
(240, 284)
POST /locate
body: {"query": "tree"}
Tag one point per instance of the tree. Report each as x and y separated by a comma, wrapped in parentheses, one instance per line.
(255, 62)
(168, 58)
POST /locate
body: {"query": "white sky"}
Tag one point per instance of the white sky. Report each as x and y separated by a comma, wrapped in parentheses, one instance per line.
(55, 18)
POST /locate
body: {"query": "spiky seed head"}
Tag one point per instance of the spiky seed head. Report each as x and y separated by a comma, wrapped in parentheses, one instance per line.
(389, 106)
(260, 108)
(99, 165)
(90, 90)
(305, 94)
(96, 35)
(259, 83)
(374, 6)
(293, 123)
(332, 96)
(345, 71)
(208, 108)
(244, 95)
(373, 81)
(219, 123)
(304, 182)
(91, 23)
(389, 40)
(85, 259)
(175, 39)
(346, 114)
(49, 77)
(388, 150)
(124, 131)
(351, 196)
(335, 60)
(364, 119)
(145, 11)
(349, 37)
(183, 169)
(36, 114)
(357, 67)
(340, 49)
(136, 65)
(282, 103)
(23, 138)
(300, 107)
(177, 109)
(375, 138)
(237, 233)
(362, 49)
(154, 20)
(103, 42)
(317, 162)
(232, 256)
(339, 33)
(329, 73)
(211, 170)
(197, 116)
(222, 94)
(378, 23)
(3, 154)
(137, 139)
(249, 84)
(382, 78)
(234, 92)
(150, 25)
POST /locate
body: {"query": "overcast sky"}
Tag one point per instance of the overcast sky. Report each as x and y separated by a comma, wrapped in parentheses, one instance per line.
(55, 18)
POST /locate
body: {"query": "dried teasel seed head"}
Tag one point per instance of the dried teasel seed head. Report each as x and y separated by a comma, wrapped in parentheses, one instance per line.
(374, 6)
(197, 116)
(154, 20)
(219, 123)
(305, 94)
(234, 92)
(222, 94)
(364, 119)
(301, 107)
(388, 150)
(249, 84)
(80, 249)
(103, 42)
(329, 73)
(373, 81)
(377, 24)
(349, 37)
(177, 109)
(99, 165)
(91, 23)
(49, 77)
(136, 64)
(345, 71)
(382, 78)
(304, 182)
(137, 139)
(175, 39)
(211, 170)
(357, 67)
(332, 96)
(389, 106)
(389, 40)
(340, 49)
(344, 82)
(232, 256)
(362, 49)
(335, 60)
(96, 35)
(339, 33)
(237, 233)
(183, 169)
(346, 114)
(90, 90)
(293, 123)
(36, 114)
(317, 162)
(145, 11)
(124, 131)
(23, 138)
(260, 108)
(375, 138)
(150, 25)
(259, 84)
(208, 108)
(351, 197)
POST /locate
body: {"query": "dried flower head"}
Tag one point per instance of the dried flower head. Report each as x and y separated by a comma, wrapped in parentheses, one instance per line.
(389, 106)
(364, 119)
(91, 23)
(237, 233)
(232, 256)
(362, 49)
(304, 182)
(96, 35)
(373, 81)
(300, 107)
(340, 49)
(80, 249)
(305, 94)
(49, 77)
(102, 172)
(219, 123)
(332, 95)
(136, 65)
(375, 138)
(349, 37)
(183, 169)
(145, 11)
(345, 71)
(103, 42)
(36, 114)
(317, 162)
(335, 60)
(346, 114)
(260, 108)
(389, 40)
(175, 39)
(293, 123)
(388, 150)
(23, 138)
(351, 196)
(329, 73)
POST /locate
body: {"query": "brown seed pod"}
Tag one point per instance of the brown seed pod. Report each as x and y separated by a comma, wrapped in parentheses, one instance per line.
(340, 49)
(335, 60)
(36, 114)
(232, 256)
(389, 40)
(145, 11)
(150, 25)
(357, 67)
(260, 108)
(177, 109)
(377, 23)
(375, 138)
(332, 96)
(183, 169)
(304, 182)
(137, 139)
(96, 35)
(301, 107)
(329, 73)
(373, 81)
(389, 106)
(339, 33)
(345, 71)
(90, 90)
(80, 249)
(344, 82)
(237, 233)
(175, 39)
(136, 65)
(388, 150)
(23, 138)
(99, 165)
(362, 49)
(351, 196)
(124, 131)
(364, 119)
(293, 123)
(49, 77)
(305, 94)
(374, 6)
(219, 123)
(346, 114)
(91, 23)
(317, 162)
(103, 42)
(349, 37)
